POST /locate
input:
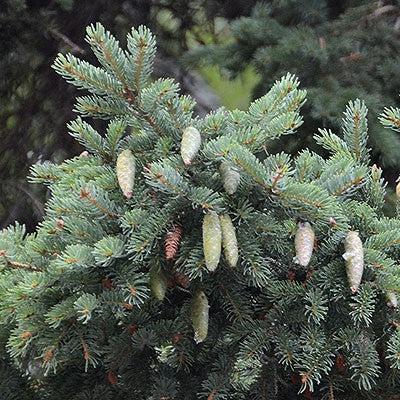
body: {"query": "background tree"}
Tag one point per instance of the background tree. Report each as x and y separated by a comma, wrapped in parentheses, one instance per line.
(340, 50)
(36, 104)
(178, 261)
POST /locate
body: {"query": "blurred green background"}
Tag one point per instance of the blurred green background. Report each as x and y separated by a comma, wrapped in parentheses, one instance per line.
(222, 53)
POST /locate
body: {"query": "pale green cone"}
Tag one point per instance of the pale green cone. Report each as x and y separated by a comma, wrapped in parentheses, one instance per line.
(212, 240)
(126, 172)
(230, 177)
(229, 241)
(354, 256)
(158, 284)
(190, 144)
(304, 243)
(392, 300)
(199, 316)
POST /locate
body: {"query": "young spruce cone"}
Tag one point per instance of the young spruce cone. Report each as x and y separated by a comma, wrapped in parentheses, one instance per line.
(172, 242)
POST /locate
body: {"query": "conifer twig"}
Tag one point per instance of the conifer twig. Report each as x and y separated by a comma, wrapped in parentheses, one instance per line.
(18, 265)
(74, 47)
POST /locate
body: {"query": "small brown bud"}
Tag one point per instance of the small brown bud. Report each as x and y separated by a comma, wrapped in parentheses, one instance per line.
(48, 355)
(132, 329)
(112, 378)
(106, 283)
(182, 280)
(26, 335)
(177, 338)
(341, 363)
(60, 223)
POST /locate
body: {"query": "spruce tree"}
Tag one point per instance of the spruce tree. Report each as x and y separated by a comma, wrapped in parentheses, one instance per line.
(180, 259)
(35, 105)
(340, 50)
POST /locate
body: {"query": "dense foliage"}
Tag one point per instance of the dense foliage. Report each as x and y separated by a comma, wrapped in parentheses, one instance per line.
(340, 50)
(35, 105)
(177, 260)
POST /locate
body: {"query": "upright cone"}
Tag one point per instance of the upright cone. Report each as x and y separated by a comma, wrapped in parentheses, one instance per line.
(354, 257)
(304, 243)
(212, 240)
(199, 316)
(190, 144)
(126, 172)
(229, 241)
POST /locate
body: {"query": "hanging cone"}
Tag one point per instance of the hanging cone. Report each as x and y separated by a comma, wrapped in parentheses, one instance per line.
(126, 172)
(354, 257)
(199, 316)
(230, 177)
(190, 144)
(304, 243)
(229, 241)
(172, 242)
(158, 283)
(212, 237)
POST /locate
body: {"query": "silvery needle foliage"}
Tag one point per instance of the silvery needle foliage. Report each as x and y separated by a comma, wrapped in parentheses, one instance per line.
(152, 277)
